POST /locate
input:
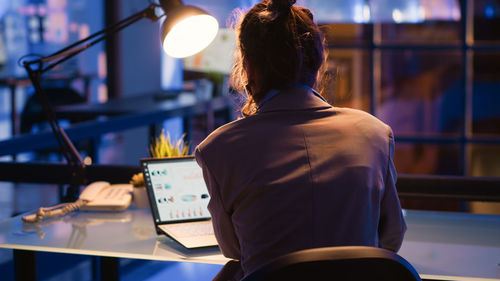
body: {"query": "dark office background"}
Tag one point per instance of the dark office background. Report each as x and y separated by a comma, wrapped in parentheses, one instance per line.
(435, 81)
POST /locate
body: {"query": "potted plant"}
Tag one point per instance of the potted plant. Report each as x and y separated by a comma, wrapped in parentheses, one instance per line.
(163, 146)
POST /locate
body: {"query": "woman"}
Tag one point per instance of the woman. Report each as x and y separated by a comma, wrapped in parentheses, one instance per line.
(295, 172)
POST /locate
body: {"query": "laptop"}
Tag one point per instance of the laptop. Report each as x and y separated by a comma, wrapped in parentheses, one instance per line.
(179, 198)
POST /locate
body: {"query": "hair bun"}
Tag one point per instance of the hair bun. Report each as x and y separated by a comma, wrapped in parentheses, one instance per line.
(281, 5)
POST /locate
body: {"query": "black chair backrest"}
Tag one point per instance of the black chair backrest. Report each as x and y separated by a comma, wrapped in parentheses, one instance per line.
(350, 263)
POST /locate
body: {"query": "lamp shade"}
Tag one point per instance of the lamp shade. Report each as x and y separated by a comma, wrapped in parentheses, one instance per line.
(187, 30)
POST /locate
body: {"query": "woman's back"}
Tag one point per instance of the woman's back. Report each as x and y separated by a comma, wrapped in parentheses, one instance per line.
(301, 174)
(295, 172)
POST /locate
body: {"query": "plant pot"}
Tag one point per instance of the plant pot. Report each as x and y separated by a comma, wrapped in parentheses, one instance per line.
(140, 197)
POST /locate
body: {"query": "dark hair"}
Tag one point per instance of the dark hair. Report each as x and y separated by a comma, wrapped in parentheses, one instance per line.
(282, 43)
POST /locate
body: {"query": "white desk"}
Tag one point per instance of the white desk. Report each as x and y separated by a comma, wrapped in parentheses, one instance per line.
(453, 246)
(441, 246)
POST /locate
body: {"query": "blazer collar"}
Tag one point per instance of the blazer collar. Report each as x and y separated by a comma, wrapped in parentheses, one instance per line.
(294, 99)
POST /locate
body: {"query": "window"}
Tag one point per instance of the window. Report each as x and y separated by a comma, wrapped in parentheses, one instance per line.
(435, 82)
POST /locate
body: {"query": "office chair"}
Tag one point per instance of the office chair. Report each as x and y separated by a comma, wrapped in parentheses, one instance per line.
(350, 263)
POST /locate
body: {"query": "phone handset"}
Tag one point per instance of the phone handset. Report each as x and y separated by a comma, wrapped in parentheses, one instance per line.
(98, 196)
(92, 190)
(101, 196)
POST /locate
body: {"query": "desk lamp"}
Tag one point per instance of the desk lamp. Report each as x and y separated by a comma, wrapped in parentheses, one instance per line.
(186, 31)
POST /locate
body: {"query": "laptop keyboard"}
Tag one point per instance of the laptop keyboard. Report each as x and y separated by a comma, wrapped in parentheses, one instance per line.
(191, 229)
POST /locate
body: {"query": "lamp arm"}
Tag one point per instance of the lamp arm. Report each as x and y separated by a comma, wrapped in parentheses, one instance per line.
(109, 30)
(75, 48)
(67, 148)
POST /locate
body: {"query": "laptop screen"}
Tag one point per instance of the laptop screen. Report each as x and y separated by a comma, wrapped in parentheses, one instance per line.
(176, 189)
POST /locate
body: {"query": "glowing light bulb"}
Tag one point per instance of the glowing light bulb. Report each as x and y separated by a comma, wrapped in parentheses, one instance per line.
(190, 35)
(397, 16)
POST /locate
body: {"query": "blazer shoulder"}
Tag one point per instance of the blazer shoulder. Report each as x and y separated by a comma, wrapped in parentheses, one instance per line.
(366, 122)
(221, 134)
(361, 115)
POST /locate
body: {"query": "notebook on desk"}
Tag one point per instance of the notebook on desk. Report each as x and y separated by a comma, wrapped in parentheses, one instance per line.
(179, 198)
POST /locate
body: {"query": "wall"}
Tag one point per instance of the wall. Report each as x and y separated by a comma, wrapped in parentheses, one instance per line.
(140, 59)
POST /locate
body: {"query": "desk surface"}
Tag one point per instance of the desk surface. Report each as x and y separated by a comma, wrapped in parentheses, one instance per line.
(128, 234)
(441, 246)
